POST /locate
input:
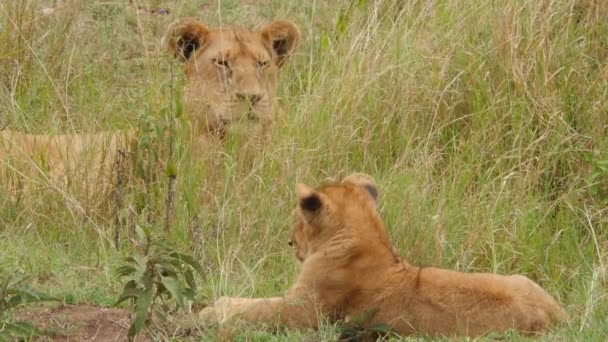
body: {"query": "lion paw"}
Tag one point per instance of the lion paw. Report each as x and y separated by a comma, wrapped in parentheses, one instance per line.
(222, 310)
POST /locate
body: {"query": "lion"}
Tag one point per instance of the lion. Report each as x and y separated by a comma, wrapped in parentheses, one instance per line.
(31, 161)
(232, 72)
(231, 77)
(348, 267)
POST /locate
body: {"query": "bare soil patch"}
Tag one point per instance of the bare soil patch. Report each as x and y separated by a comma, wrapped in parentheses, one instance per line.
(80, 322)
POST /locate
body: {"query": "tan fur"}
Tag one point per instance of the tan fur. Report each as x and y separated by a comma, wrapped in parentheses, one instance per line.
(217, 96)
(232, 73)
(348, 268)
(52, 160)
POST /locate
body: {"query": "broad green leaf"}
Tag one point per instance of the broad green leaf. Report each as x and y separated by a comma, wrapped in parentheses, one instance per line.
(190, 261)
(168, 260)
(190, 279)
(142, 265)
(166, 270)
(128, 293)
(26, 295)
(175, 288)
(132, 332)
(18, 330)
(125, 270)
(146, 280)
(14, 301)
(17, 279)
(142, 305)
(189, 293)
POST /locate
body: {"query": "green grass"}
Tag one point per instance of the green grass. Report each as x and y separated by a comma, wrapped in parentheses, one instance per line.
(484, 124)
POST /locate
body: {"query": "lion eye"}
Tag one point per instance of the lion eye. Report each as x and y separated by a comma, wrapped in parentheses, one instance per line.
(221, 62)
(290, 242)
(263, 64)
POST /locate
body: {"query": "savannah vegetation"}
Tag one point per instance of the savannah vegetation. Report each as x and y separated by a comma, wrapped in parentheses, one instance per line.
(485, 124)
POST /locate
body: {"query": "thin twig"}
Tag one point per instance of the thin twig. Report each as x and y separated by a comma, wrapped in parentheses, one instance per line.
(171, 171)
(118, 197)
(147, 184)
(170, 199)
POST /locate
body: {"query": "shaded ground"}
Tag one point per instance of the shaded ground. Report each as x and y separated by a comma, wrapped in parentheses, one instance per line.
(80, 322)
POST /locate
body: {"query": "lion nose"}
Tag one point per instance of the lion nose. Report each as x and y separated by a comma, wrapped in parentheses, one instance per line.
(253, 99)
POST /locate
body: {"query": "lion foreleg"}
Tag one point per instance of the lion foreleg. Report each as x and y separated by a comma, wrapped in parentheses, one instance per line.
(292, 313)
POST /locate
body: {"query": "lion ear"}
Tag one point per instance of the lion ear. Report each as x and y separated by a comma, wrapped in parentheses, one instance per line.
(184, 37)
(284, 38)
(308, 199)
(364, 180)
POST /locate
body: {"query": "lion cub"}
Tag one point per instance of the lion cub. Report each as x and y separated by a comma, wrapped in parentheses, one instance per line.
(348, 267)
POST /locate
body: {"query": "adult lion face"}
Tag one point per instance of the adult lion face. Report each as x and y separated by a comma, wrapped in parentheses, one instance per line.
(231, 72)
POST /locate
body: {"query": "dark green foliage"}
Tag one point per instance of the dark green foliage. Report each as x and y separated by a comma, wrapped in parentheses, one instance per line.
(157, 273)
(14, 292)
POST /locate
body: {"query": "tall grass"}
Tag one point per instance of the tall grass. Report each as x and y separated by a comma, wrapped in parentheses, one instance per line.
(484, 123)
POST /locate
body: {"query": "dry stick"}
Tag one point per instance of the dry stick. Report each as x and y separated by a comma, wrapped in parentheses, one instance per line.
(147, 184)
(118, 197)
(170, 199)
(171, 172)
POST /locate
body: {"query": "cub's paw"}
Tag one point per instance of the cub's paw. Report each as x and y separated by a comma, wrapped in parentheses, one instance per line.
(222, 310)
(208, 315)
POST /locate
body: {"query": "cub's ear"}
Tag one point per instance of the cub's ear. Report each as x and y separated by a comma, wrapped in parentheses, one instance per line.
(184, 37)
(308, 199)
(364, 180)
(284, 38)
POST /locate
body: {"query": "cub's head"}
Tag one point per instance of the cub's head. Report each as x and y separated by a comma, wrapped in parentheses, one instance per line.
(231, 72)
(347, 208)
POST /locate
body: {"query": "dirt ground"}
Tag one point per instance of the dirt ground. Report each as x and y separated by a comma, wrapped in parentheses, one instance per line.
(80, 322)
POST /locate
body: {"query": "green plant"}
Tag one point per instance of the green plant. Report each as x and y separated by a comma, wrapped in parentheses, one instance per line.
(156, 272)
(14, 291)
